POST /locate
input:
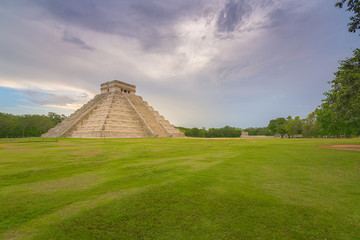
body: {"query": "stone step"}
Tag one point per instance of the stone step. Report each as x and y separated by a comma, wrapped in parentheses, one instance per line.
(122, 121)
(124, 124)
(113, 114)
(148, 117)
(109, 134)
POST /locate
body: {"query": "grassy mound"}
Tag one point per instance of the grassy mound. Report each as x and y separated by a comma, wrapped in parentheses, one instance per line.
(179, 189)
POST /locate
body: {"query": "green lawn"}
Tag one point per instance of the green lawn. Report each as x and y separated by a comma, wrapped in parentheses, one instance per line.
(179, 189)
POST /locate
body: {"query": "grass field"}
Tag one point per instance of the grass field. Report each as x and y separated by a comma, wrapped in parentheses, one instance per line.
(179, 189)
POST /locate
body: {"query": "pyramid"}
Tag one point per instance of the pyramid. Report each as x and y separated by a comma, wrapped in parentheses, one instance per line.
(115, 113)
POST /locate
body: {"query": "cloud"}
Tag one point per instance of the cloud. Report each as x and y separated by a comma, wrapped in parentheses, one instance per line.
(149, 22)
(68, 37)
(53, 99)
(231, 15)
(42, 98)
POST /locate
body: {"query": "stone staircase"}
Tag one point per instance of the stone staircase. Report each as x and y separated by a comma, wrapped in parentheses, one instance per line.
(171, 129)
(93, 124)
(115, 118)
(67, 125)
(148, 117)
(160, 126)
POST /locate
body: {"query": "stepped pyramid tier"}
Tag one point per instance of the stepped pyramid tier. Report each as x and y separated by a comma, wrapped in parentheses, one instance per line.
(115, 113)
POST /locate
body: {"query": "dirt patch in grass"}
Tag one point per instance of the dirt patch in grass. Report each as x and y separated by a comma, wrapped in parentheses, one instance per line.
(342, 147)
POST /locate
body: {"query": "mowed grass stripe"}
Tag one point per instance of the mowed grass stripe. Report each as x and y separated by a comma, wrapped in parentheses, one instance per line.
(179, 188)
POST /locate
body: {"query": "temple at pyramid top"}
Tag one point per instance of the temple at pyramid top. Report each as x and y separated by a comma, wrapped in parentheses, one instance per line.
(117, 85)
(115, 113)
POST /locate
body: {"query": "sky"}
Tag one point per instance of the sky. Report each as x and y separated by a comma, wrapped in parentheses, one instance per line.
(200, 63)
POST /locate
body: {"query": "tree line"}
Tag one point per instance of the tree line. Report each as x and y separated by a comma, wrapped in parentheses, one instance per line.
(226, 131)
(307, 127)
(258, 131)
(14, 126)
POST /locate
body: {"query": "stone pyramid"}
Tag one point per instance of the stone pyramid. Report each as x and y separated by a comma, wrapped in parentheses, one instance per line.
(115, 113)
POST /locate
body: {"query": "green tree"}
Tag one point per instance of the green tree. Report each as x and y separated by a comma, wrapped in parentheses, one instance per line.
(352, 6)
(293, 126)
(310, 127)
(56, 118)
(26, 125)
(339, 114)
(9, 125)
(277, 126)
(35, 125)
(263, 131)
